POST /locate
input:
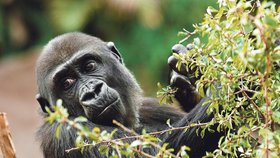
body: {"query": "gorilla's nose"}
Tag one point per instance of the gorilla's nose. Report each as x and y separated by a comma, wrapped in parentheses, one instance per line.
(93, 93)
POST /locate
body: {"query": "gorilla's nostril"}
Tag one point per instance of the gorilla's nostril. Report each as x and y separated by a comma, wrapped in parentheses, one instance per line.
(97, 89)
(92, 93)
(88, 96)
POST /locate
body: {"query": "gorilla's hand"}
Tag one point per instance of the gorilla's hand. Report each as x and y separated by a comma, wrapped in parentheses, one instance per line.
(183, 80)
(181, 75)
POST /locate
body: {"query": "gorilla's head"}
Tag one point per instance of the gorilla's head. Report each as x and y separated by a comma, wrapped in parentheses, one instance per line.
(88, 74)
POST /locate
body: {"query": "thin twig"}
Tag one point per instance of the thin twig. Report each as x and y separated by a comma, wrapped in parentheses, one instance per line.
(113, 141)
(253, 103)
(188, 35)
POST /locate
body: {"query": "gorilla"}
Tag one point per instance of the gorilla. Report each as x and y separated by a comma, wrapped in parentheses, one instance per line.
(90, 77)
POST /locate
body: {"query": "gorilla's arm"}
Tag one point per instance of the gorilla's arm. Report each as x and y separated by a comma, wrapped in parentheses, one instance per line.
(192, 102)
(190, 138)
(154, 116)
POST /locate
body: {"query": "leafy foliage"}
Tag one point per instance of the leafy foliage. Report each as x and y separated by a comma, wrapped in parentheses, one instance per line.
(166, 94)
(240, 67)
(109, 145)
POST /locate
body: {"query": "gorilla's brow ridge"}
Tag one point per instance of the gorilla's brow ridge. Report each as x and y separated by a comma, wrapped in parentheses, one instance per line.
(60, 74)
(63, 69)
(83, 56)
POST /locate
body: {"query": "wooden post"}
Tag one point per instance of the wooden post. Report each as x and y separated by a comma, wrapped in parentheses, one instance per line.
(6, 143)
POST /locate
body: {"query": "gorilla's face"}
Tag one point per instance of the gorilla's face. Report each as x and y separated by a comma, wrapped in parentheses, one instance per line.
(82, 80)
(88, 75)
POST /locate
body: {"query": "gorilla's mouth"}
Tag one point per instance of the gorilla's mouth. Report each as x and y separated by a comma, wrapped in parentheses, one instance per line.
(109, 107)
(106, 114)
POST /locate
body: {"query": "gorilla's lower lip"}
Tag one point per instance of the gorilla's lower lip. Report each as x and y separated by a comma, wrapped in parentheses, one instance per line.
(108, 107)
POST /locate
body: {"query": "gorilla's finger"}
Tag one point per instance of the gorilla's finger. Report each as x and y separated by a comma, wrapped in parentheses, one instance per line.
(180, 81)
(172, 61)
(179, 48)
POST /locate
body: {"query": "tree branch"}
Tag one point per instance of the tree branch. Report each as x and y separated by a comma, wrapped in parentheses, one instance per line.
(6, 142)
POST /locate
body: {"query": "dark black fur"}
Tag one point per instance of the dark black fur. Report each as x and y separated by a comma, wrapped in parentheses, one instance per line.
(88, 74)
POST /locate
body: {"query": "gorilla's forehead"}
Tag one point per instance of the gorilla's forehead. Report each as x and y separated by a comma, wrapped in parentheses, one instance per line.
(66, 46)
(63, 47)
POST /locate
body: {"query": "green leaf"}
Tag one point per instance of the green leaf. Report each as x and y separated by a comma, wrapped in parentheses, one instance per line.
(276, 116)
(136, 143)
(270, 21)
(80, 119)
(197, 41)
(104, 149)
(57, 131)
(168, 123)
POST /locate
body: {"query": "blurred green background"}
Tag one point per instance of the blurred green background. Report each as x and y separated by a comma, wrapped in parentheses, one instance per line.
(143, 30)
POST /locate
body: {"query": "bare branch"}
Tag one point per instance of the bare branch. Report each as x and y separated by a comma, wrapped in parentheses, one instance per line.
(6, 142)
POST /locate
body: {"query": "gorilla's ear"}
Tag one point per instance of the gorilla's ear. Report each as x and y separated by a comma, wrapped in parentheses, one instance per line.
(43, 102)
(115, 51)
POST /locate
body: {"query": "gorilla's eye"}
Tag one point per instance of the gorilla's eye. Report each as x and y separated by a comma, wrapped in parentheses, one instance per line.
(68, 83)
(90, 66)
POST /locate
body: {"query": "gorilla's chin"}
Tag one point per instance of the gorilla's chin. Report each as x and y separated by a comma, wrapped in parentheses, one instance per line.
(105, 116)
